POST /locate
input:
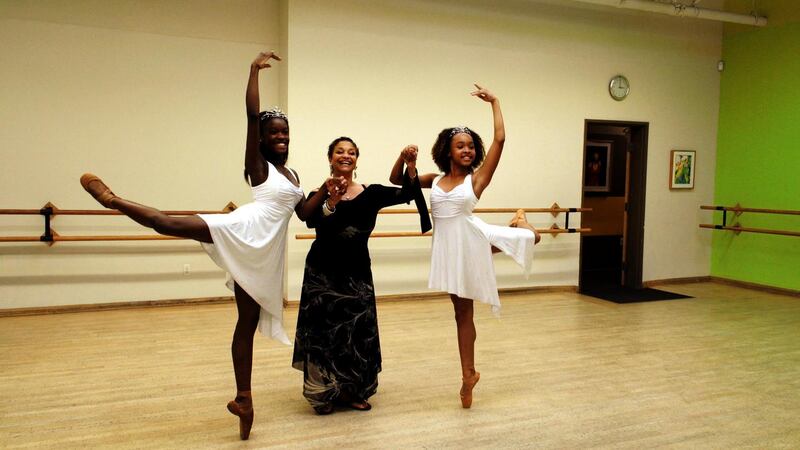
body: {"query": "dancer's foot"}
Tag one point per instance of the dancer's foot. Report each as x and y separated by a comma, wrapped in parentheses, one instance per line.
(242, 406)
(97, 189)
(467, 385)
(518, 217)
(324, 410)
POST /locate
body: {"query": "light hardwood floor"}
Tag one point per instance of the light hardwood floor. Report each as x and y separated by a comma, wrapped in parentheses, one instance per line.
(559, 370)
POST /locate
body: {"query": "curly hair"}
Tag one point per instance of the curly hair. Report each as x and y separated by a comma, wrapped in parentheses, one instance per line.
(441, 149)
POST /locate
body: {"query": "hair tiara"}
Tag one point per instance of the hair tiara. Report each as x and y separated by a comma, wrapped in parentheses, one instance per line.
(457, 130)
(274, 113)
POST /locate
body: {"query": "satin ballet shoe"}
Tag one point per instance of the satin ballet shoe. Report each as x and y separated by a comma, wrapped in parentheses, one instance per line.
(95, 186)
(518, 217)
(467, 385)
(244, 410)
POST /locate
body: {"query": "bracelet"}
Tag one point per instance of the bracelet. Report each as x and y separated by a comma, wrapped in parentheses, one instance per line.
(327, 210)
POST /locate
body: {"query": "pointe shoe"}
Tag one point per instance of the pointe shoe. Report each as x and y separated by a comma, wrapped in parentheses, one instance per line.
(518, 217)
(244, 410)
(467, 385)
(95, 186)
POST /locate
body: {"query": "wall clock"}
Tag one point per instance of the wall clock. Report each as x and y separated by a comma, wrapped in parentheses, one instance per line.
(619, 87)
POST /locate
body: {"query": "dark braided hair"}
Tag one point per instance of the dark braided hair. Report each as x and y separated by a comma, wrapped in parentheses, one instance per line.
(441, 148)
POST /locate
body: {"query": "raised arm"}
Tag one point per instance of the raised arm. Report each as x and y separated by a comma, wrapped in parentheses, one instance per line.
(408, 157)
(483, 176)
(254, 163)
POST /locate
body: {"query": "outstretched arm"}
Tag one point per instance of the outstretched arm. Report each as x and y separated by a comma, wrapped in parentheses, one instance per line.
(254, 163)
(331, 190)
(408, 156)
(483, 176)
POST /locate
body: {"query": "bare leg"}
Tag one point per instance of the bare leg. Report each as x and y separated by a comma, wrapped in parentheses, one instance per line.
(191, 227)
(466, 347)
(242, 355)
(242, 343)
(466, 334)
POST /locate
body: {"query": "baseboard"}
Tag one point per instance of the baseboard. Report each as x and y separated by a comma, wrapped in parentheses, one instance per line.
(756, 286)
(66, 309)
(420, 296)
(684, 280)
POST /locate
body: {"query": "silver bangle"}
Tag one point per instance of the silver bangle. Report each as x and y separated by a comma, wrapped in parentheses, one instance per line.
(326, 210)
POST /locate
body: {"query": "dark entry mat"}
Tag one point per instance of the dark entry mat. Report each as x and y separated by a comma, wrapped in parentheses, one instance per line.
(628, 295)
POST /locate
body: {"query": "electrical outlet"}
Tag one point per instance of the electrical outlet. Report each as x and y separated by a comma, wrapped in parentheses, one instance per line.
(186, 269)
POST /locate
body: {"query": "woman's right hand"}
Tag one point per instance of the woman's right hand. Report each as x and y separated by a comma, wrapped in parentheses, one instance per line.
(336, 187)
(262, 60)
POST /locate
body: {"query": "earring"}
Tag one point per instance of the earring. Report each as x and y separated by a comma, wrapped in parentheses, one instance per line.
(331, 167)
(355, 174)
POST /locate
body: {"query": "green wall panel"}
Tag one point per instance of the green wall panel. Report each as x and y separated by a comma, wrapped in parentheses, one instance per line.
(758, 155)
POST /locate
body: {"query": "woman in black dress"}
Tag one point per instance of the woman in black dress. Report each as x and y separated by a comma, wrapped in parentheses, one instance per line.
(337, 345)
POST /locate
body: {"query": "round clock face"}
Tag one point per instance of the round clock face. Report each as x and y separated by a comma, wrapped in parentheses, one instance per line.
(619, 87)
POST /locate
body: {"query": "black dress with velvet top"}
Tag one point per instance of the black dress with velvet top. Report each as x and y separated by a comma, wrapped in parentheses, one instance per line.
(336, 344)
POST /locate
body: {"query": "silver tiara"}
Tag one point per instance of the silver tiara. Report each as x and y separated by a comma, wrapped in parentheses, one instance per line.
(457, 130)
(273, 113)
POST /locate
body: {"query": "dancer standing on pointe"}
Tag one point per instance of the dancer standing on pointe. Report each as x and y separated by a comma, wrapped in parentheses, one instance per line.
(249, 242)
(461, 256)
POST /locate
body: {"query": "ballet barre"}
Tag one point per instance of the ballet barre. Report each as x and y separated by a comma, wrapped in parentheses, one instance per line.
(737, 210)
(554, 230)
(50, 236)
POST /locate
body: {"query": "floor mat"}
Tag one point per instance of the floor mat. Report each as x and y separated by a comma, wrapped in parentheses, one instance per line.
(621, 294)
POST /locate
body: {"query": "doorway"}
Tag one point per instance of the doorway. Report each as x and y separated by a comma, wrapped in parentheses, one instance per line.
(614, 175)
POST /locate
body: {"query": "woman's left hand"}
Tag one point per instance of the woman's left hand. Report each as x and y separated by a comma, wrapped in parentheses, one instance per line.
(409, 155)
(483, 94)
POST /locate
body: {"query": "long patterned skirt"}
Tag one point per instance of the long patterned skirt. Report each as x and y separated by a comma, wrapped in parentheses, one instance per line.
(336, 343)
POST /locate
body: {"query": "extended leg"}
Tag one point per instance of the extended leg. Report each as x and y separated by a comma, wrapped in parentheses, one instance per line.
(191, 227)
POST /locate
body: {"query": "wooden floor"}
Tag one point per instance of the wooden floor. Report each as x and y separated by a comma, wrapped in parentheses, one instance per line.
(559, 370)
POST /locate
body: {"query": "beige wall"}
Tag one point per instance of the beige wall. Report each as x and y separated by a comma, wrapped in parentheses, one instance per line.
(393, 73)
(149, 96)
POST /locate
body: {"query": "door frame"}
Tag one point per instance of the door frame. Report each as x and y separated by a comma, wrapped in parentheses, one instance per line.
(635, 207)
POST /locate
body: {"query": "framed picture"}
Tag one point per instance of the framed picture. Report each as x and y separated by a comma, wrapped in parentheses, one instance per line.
(597, 172)
(681, 169)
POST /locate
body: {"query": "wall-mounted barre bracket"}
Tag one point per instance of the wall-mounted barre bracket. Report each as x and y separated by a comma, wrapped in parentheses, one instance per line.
(47, 212)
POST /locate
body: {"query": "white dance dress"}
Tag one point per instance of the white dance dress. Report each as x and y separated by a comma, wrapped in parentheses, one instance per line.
(250, 244)
(461, 257)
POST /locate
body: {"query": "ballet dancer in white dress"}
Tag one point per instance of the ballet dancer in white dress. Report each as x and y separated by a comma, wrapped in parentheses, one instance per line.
(461, 255)
(249, 243)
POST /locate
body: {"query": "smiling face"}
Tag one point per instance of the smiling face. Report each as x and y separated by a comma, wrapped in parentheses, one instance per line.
(343, 158)
(275, 137)
(462, 150)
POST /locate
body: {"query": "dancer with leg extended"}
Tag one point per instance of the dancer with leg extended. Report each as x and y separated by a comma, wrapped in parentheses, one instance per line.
(336, 344)
(249, 242)
(462, 247)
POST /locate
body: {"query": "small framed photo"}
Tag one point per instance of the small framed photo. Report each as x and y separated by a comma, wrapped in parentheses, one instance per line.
(597, 170)
(681, 169)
